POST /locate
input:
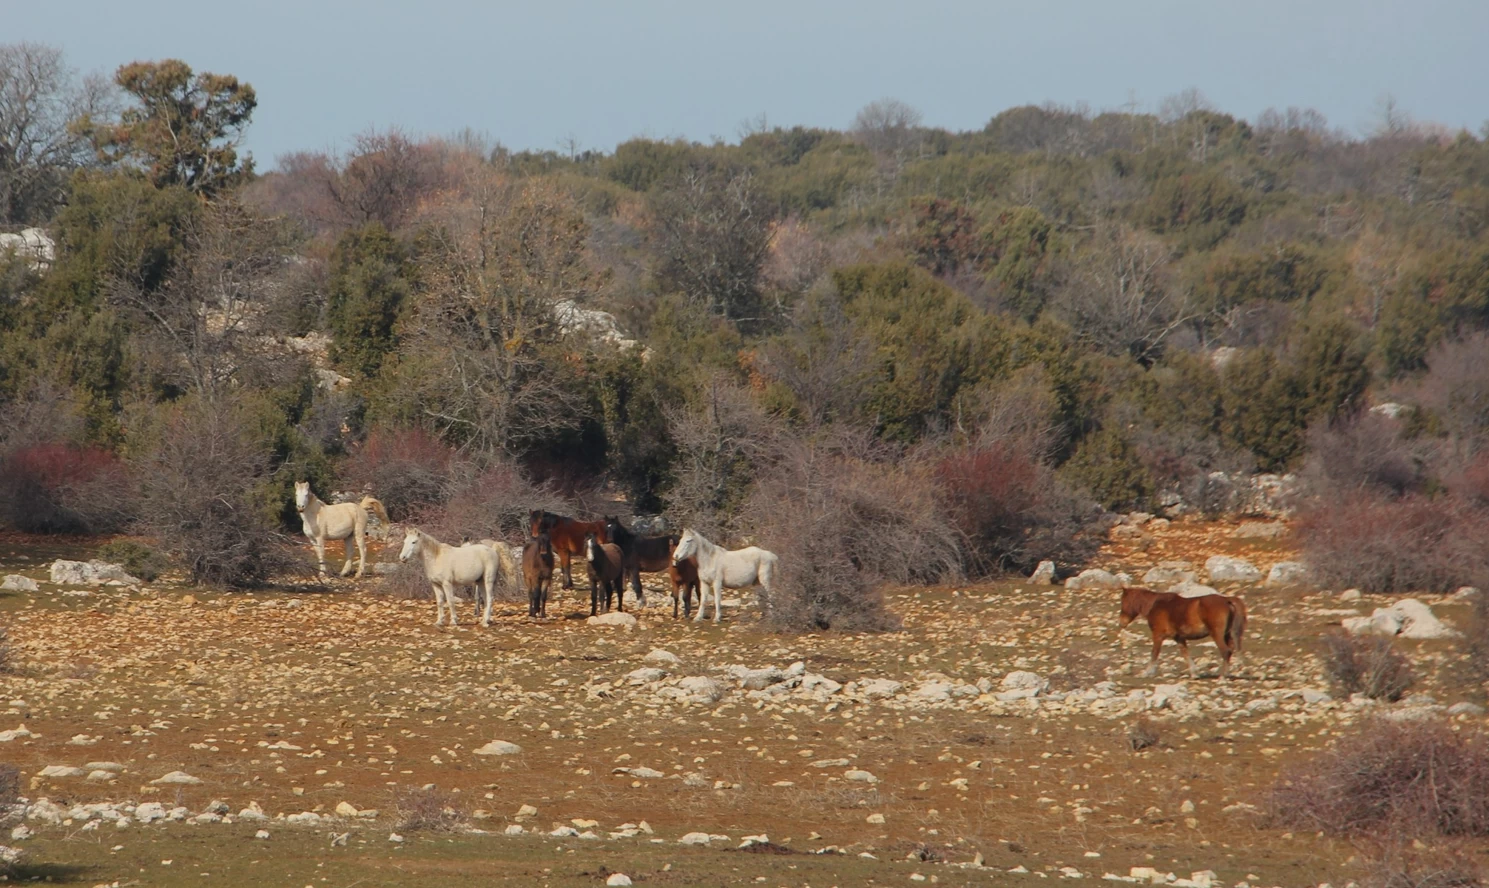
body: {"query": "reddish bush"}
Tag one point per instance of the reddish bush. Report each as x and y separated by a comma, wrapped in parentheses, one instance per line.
(495, 503)
(1409, 779)
(408, 469)
(1366, 538)
(55, 487)
(1010, 508)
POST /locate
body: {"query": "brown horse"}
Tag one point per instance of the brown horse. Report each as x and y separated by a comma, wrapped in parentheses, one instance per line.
(684, 577)
(567, 536)
(537, 572)
(606, 573)
(652, 554)
(1171, 616)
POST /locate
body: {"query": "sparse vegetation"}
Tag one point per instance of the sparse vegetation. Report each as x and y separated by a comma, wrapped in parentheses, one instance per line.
(137, 559)
(428, 809)
(1366, 665)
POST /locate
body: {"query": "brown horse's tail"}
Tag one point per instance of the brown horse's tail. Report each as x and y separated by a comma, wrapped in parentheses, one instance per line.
(372, 504)
(1235, 628)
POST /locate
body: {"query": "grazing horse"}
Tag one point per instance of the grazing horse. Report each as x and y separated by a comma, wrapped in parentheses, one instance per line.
(449, 566)
(342, 521)
(1171, 616)
(720, 568)
(652, 554)
(537, 572)
(684, 578)
(606, 572)
(567, 535)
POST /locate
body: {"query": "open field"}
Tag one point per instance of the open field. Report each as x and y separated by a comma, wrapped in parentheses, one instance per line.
(301, 701)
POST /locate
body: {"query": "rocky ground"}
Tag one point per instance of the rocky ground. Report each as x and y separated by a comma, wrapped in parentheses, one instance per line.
(172, 736)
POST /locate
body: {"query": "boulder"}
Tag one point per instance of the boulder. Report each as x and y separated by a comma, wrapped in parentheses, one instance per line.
(1169, 573)
(614, 618)
(860, 776)
(1190, 589)
(32, 245)
(499, 747)
(660, 658)
(1024, 681)
(61, 772)
(757, 679)
(1225, 569)
(879, 688)
(176, 778)
(18, 583)
(1407, 618)
(645, 675)
(701, 689)
(1287, 573)
(1259, 530)
(89, 573)
(1093, 578)
(1044, 574)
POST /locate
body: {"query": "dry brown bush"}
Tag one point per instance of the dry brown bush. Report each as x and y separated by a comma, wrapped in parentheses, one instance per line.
(1143, 734)
(1413, 779)
(407, 468)
(1379, 543)
(428, 810)
(202, 479)
(1366, 665)
(55, 487)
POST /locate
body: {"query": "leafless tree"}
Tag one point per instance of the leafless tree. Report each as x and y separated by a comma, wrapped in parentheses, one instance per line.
(481, 359)
(721, 444)
(891, 130)
(213, 317)
(823, 360)
(712, 228)
(39, 97)
(1120, 295)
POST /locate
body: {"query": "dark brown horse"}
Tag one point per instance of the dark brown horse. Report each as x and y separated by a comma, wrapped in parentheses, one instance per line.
(684, 577)
(567, 536)
(652, 554)
(1171, 616)
(537, 573)
(606, 573)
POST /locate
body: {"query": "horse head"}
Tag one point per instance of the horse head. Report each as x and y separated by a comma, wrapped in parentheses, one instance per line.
(1133, 600)
(544, 543)
(591, 548)
(302, 495)
(617, 532)
(410, 544)
(687, 547)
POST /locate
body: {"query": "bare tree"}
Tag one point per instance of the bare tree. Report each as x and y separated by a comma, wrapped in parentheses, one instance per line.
(214, 315)
(712, 228)
(721, 443)
(39, 97)
(1120, 295)
(828, 365)
(481, 359)
(891, 130)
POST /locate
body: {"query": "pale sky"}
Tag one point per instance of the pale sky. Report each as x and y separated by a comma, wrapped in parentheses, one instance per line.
(532, 74)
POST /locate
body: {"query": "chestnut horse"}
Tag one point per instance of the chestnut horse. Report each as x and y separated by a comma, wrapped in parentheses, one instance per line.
(684, 578)
(652, 554)
(566, 534)
(1171, 616)
(537, 573)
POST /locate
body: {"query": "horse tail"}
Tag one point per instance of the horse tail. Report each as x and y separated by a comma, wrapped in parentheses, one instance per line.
(372, 504)
(1236, 627)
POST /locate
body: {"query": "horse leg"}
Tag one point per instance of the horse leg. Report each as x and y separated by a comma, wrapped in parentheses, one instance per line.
(361, 553)
(718, 599)
(490, 596)
(620, 592)
(320, 555)
(1225, 649)
(450, 602)
(1152, 669)
(563, 557)
(702, 598)
(346, 546)
(439, 604)
(1188, 657)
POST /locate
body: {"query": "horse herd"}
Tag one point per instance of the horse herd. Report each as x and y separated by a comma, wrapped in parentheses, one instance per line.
(616, 555)
(612, 552)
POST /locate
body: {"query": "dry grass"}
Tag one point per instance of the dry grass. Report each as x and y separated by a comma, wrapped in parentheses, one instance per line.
(428, 809)
(1143, 734)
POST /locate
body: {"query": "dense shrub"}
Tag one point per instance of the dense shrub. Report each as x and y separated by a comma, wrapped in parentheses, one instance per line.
(1377, 543)
(137, 559)
(495, 503)
(55, 487)
(1407, 778)
(407, 468)
(1366, 665)
(1106, 465)
(1010, 509)
(201, 478)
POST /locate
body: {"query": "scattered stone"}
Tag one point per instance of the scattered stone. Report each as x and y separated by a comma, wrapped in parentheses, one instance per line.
(150, 812)
(261, 834)
(61, 772)
(1465, 708)
(499, 747)
(513, 830)
(346, 809)
(395, 838)
(878, 688)
(1408, 618)
(18, 583)
(1169, 573)
(694, 838)
(21, 833)
(701, 689)
(1044, 574)
(661, 658)
(1313, 697)
(16, 734)
(875, 819)
(1225, 569)
(1191, 589)
(176, 778)
(645, 675)
(1464, 593)
(860, 776)
(618, 879)
(1350, 595)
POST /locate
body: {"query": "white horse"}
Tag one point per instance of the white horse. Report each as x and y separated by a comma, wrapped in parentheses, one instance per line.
(447, 567)
(339, 522)
(720, 568)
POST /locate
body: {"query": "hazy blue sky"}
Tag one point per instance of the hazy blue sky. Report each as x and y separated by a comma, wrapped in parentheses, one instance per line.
(531, 74)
